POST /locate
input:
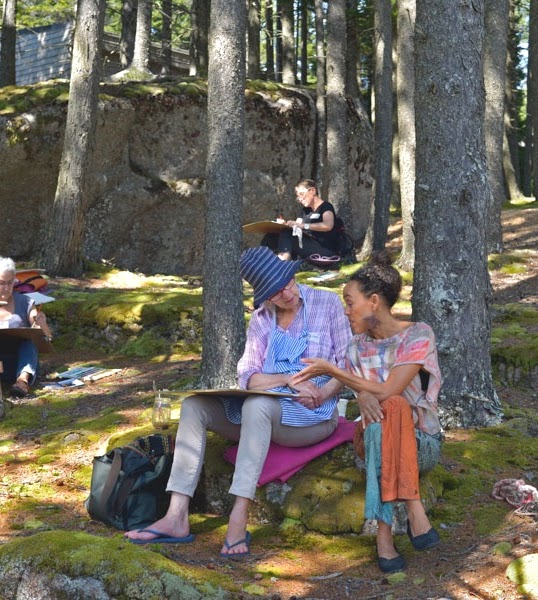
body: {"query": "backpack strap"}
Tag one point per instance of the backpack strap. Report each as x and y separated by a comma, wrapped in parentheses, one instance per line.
(111, 480)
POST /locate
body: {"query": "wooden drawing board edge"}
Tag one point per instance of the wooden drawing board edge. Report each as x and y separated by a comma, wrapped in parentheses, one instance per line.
(29, 333)
(264, 227)
(237, 393)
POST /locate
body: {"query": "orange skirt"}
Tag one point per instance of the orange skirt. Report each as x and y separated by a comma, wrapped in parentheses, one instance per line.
(399, 457)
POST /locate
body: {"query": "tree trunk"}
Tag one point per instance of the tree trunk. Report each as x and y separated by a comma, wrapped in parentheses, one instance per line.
(223, 318)
(532, 91)
(288, 43)
(199, 42)
(253, 53)
(337, 122)
(304, 41)
(128, 31)
(383, 120)
(62, 247)
(278, 41)
(495, 48)
(269, 40)
(8, 44)
(142, 38)
(352, 50)
(510, 176)
(166, 38)
(405, 89)
(451, 283)
(321, 98)
(511, 122)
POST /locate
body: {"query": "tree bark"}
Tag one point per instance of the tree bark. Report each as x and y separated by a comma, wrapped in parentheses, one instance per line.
(223, 318)
(142, 38)
(352, 50)
(166, 38)
(511, 122)
(253, 52)
(451, 283)
(62, 247)
(383, 120)
(321, 98)
(405, 89)
(199, 43)
(269, 39)
(288, 43)
(337, 123)
(278, 41)
(532, 92)
(8, 44)
(304, 41)
(128, 31)
(495, 48)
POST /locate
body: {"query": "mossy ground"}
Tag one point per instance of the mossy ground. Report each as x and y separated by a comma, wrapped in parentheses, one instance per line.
(150, 328)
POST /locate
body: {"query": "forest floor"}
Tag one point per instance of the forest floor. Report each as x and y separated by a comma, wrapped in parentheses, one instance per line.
(465, 566)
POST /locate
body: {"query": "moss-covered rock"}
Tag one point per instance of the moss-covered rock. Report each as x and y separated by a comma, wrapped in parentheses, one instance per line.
(524, 572)
(64, 564)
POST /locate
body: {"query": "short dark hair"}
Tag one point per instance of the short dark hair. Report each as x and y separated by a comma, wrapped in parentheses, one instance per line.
(378, 276)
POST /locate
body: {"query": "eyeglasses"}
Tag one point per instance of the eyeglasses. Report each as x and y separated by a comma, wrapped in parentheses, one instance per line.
(7, 283)
(280, 293)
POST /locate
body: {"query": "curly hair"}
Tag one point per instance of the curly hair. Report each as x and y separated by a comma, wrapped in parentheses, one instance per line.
(378, 276)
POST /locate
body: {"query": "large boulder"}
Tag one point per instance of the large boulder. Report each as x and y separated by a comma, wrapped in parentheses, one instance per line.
(65, 564)
(148, 183)
(326, 496)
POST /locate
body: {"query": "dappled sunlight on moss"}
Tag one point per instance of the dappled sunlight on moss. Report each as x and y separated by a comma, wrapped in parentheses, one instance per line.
(508, 263)
(126, 570)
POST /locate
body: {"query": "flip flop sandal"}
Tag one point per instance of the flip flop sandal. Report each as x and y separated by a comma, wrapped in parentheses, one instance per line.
(245, 540)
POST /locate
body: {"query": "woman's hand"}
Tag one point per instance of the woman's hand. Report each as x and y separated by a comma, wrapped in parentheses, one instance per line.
(317, 366)
(39, 320)
(370, 408)
(309, 395)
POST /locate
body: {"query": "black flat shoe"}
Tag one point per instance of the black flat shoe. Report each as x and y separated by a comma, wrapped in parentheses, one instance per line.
(425, 541)
(392, 565)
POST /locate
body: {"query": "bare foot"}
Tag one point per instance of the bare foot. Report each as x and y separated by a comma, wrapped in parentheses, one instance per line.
(418, 520)
(239, 548)
(165, 525)
(234, 535)
(385, 542)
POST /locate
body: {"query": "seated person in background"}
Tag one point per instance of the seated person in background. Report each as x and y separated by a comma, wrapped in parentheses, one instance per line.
(317, 222)
(291, 322)
(20, 358)
(385, 357)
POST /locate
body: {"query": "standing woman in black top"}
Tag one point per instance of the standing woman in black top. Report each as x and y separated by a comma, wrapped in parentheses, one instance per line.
(316, 222)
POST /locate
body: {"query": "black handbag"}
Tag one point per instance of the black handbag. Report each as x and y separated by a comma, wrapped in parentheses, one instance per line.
(128, 485)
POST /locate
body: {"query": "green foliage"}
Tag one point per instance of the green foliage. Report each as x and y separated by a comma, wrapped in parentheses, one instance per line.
(35, 13)
(181, 21)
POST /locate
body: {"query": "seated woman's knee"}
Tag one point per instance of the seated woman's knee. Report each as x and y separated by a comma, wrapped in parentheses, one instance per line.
(255, 405)
(396, 404)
